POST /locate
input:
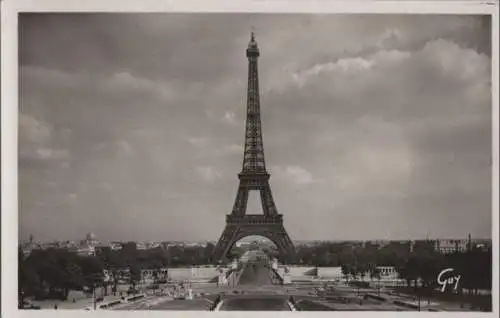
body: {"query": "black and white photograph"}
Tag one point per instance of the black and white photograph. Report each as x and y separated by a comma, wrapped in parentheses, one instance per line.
(255, 161)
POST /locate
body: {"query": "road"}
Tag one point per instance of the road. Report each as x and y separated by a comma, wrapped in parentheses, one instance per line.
(255, 288)
(197, 304)
(255, 274)
(256, 303)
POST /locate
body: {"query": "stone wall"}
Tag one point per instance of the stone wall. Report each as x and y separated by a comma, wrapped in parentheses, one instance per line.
(179, 274)
(193, 273)
(297, 272)
(204, 272)
(330, 272)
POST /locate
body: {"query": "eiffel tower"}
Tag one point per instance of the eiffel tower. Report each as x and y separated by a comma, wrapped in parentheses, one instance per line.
(254, 177)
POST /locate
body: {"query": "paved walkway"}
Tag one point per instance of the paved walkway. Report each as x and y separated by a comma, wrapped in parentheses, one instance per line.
(409, 299)
(81, 303)
(144, 303)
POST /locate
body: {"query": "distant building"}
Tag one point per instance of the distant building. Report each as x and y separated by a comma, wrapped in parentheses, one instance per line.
(174, 243)
(115, 246)
(122, 275)
(91, 239)
(380, 243)
(86, 250)
(48, 245)
(481, 244)
(141, 246)
(148, 275)
(388, 272)
(448, 246)
(422, 245)
(152, 245)
(242, 244)
(101, 248)
(372, 244)
(28, 247)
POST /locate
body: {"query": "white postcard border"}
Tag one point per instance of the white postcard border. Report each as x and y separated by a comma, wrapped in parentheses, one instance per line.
(9, 122)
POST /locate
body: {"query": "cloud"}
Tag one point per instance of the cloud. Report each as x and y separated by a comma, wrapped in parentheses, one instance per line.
(351, 67)
(295, 174)
(47, 154)
(390, 38)
(208, 173)
(116, 83)
(233, 149)
(208, 148)
(401, 134)
(33, 130)
(126, 81)
(36, 140)
(198, 141)
(125, 147)
(381, 118)
(454, 61)
(366, 168)
(229, 117)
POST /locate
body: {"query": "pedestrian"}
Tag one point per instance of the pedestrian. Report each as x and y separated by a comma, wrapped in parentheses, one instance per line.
(55, 306)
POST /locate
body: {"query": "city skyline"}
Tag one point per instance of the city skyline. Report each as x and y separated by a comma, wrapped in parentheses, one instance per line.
(250, 239)
(132, 125)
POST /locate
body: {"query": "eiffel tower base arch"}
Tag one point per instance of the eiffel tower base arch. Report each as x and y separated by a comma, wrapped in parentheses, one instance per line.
(251, 225)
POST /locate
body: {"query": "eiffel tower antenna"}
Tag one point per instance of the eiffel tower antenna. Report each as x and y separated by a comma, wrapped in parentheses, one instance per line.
(254, 177)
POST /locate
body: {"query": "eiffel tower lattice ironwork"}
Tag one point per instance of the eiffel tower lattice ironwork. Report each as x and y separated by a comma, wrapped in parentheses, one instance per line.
(254, 177)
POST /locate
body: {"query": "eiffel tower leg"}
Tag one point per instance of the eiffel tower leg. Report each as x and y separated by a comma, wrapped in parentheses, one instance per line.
(284, 244)
(240, 204)
(267, 201)
(288, 248)
(224, 244)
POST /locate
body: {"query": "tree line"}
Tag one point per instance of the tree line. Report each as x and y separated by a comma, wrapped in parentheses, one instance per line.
(52, 273)
(419, 266)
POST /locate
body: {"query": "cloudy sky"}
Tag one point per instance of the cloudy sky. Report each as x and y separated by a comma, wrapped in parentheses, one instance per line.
(375, 127)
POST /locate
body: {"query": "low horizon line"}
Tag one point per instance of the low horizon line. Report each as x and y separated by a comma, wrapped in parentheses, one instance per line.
(293, 240)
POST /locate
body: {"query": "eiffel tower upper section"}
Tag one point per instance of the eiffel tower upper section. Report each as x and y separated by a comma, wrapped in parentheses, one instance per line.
(253, 159)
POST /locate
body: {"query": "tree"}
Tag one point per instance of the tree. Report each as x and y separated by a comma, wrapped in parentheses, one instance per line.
(114, 278)
(58, 269)
(408, 271)
(375, 273)
(329, 259)
(428, 269)
(92, 272)
(353, 270)
(28, 279)
(345, 271)
(362, 269)
(135, 275)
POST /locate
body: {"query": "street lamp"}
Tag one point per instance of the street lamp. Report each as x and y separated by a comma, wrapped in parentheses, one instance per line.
(94, 278)
(21, 300)
(418, 296)
(93, 294)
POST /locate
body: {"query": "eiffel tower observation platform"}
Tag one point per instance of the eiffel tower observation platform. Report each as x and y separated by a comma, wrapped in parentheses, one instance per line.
(250, 219)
